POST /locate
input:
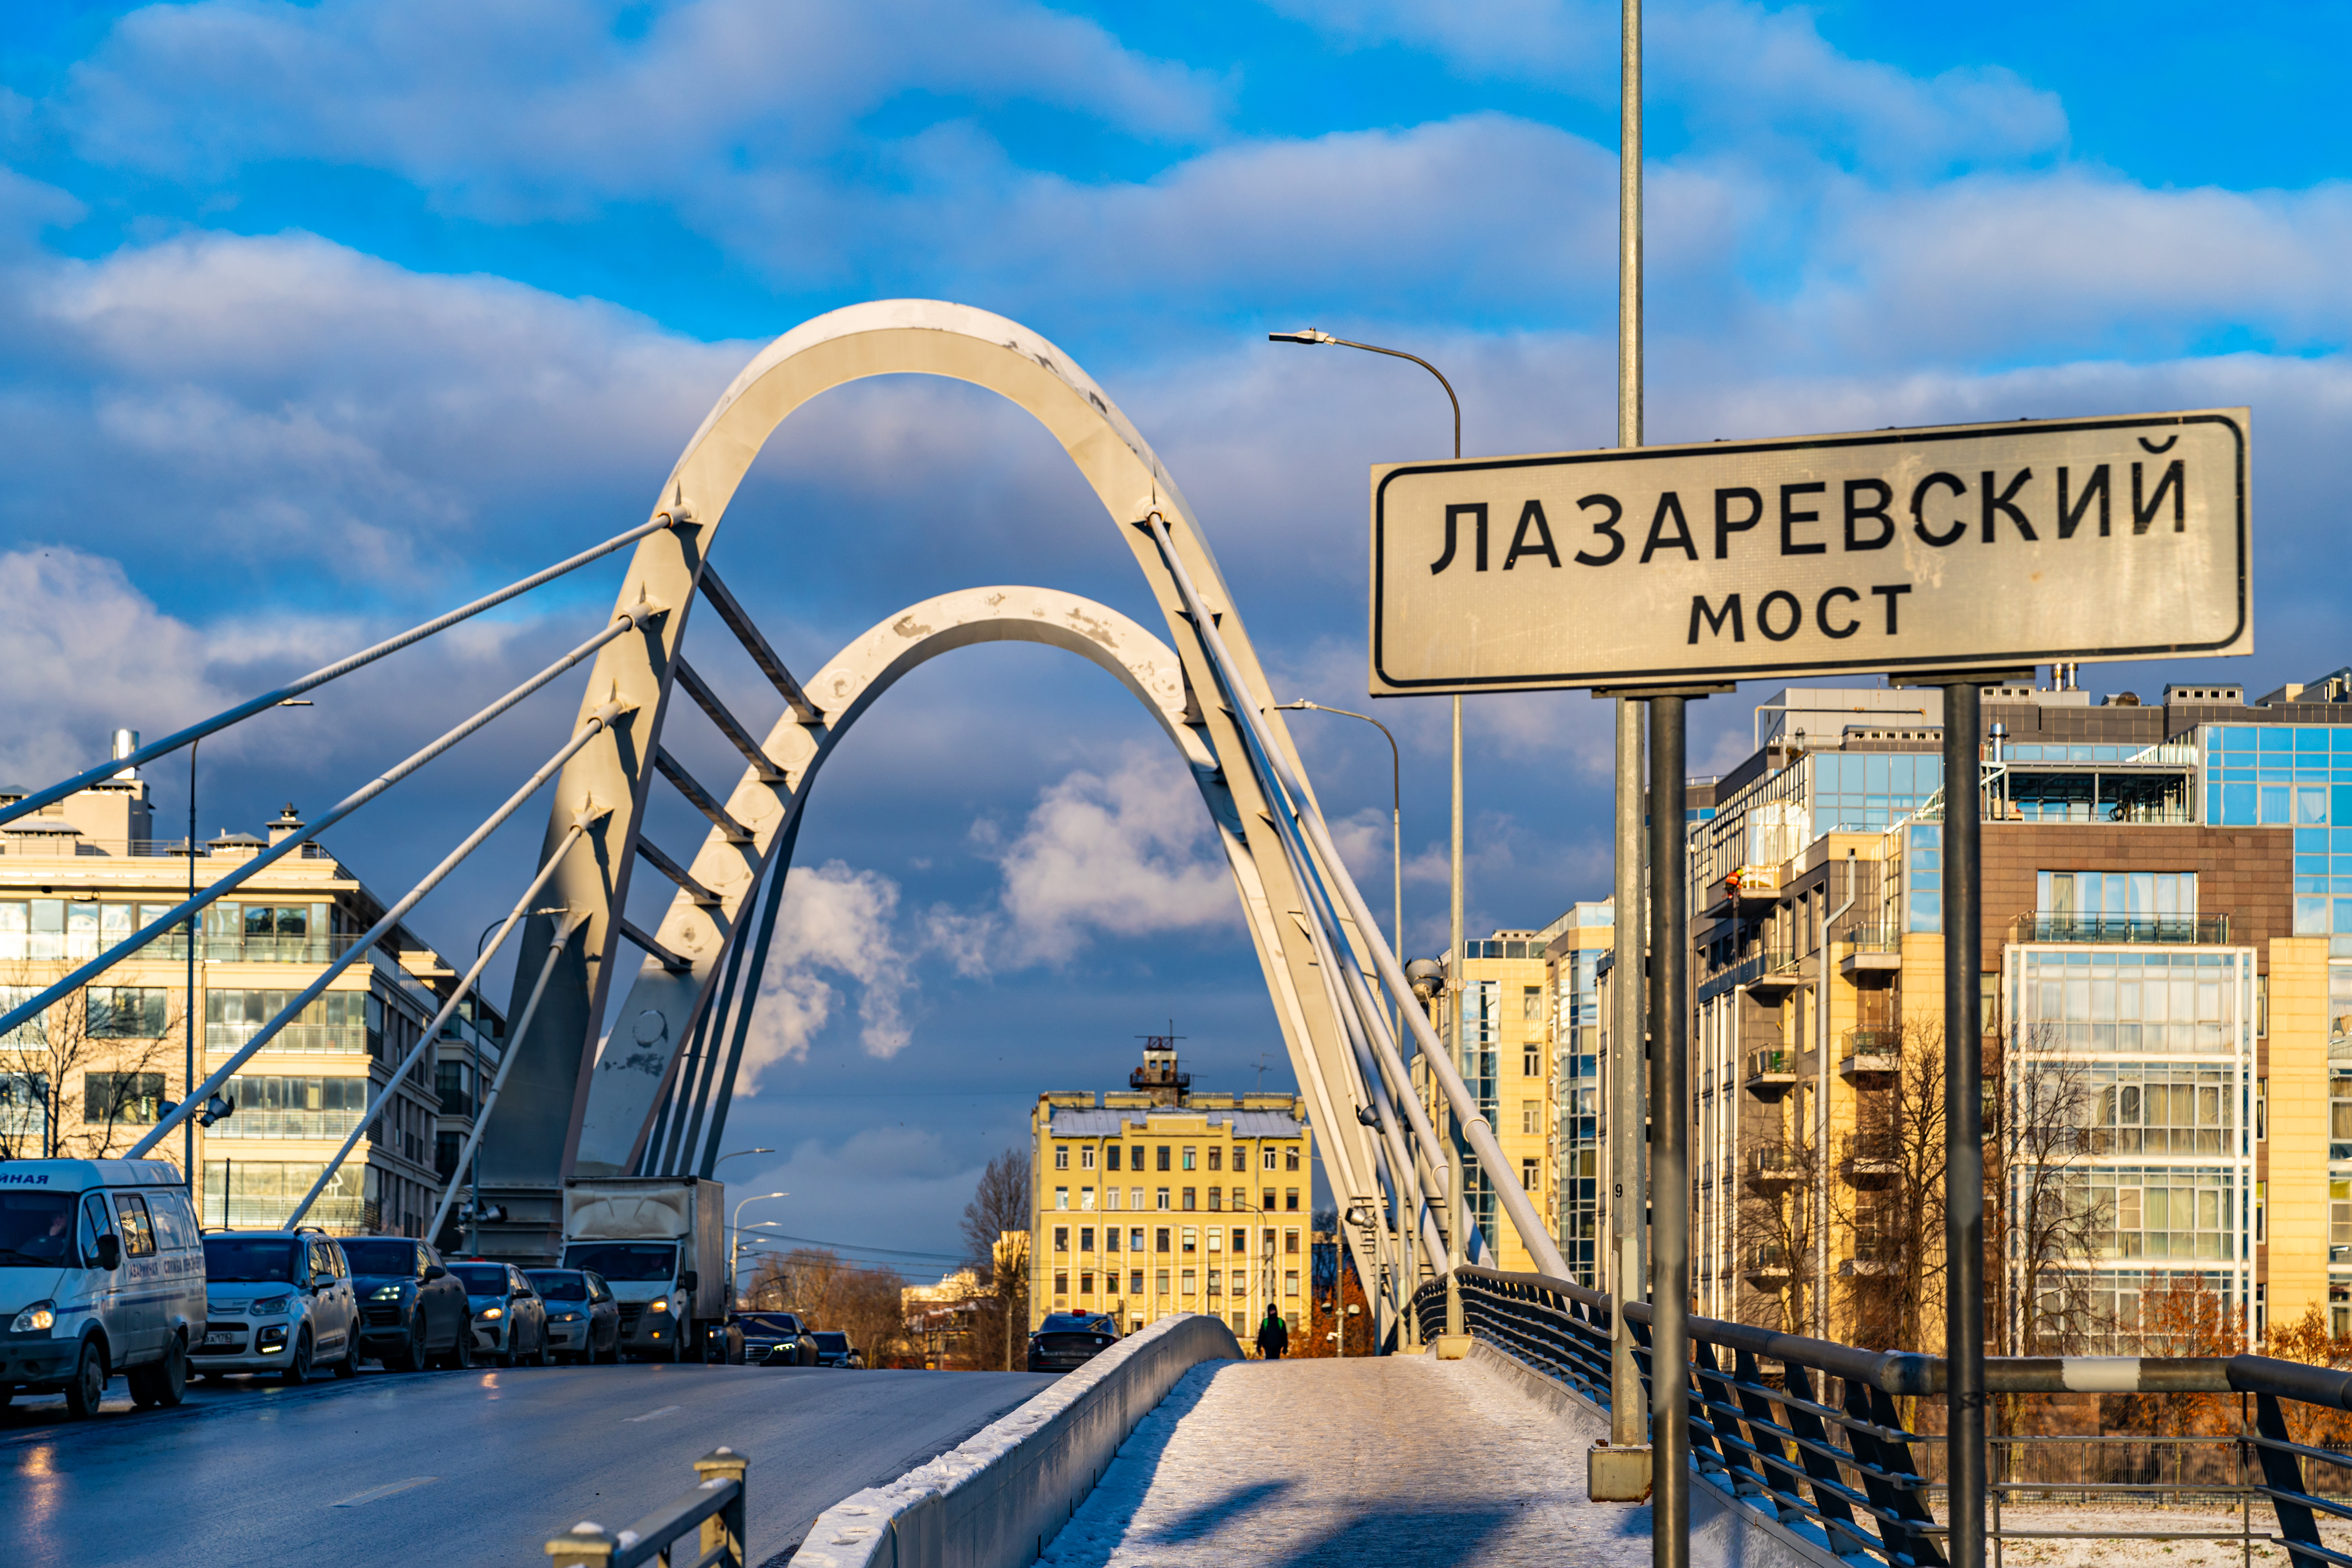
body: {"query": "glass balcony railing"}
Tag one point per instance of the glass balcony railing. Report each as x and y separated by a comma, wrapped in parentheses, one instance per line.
(1776, 1163)
(1773, 1062)
(2213, 930)
(1768, 1260)
(315, 1039)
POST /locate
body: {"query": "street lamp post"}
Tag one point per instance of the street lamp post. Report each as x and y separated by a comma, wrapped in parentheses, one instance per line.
(737, 1155)
(1457, 1206)
(1396, 831)
(735, 1236)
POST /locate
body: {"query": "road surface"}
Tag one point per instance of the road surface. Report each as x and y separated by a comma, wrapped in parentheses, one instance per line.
(459, 1467)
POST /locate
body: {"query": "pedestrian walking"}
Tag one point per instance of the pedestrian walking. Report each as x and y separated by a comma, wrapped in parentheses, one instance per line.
(1272, 1337)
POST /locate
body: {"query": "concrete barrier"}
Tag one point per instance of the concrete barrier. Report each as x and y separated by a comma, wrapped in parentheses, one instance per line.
(996, 1500)
(1724, 1533)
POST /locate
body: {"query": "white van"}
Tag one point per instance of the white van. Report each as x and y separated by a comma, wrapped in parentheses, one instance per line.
(102, 1270)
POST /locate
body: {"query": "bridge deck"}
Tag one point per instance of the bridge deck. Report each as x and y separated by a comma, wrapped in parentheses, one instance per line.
(1404, 1459)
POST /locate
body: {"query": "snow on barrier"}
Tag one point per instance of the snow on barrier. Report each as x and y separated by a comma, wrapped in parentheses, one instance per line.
(1723, 1533)
(996, 1500)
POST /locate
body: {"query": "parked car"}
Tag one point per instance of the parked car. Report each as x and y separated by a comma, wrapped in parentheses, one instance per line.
(775, 1339)
(413, 1310)
(509, 1317)
(101, 1271)
(834, 1349)
(583, 1322)
(277, 1301)
(1067, 1340)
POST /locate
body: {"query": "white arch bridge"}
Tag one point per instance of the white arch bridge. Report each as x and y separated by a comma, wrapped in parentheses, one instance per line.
(649, 1093)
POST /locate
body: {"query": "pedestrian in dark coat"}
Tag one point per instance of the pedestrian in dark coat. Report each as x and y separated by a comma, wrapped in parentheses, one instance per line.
(1272, 1337)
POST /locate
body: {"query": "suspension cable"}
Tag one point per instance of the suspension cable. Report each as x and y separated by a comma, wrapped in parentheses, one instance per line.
(629, 620)
(318, 677)
(598, 723)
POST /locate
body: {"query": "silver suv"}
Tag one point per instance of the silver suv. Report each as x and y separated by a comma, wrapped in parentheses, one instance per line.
(277, 1301)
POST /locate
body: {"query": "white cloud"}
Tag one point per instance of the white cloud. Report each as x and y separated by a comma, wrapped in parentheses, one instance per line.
(1129, 852)
(839, 922)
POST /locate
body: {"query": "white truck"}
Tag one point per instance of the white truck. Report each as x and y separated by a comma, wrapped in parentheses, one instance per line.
(660, 1243)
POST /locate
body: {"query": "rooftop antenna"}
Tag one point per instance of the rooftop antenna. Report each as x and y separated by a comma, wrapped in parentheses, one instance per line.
(1262, 1060)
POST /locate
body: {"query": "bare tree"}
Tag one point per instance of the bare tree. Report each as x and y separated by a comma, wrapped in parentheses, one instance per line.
(827, 1293)
(996, 1245)
(1774, 1224)
(2041, 1226)
(1890, 1197)
(89, 1075)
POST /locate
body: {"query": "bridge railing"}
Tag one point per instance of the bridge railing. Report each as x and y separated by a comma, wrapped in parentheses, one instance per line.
(713, 1509)
(1809, 1432)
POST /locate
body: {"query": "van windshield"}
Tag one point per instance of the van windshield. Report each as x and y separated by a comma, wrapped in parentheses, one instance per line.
(37, 1231)
(633, 1261)
(233, 1260)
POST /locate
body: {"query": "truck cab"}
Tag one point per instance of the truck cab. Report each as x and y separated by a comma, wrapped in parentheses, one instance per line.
(102, 1270)
(657, 1242)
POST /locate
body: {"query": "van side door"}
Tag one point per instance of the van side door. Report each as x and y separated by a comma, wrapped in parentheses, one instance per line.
(144, 1293)
(102, 1287)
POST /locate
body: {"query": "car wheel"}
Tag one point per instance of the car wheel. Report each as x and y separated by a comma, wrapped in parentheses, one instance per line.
(89, 1384)
(297, 1371)
(166, 1382)
(349, 1365)
(461, 1349)
(611, 1357)
(411, 1356)
(545, 1356)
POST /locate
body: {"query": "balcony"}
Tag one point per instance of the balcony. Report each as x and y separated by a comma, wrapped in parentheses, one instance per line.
(1873, 1258)
(1774, 1166)
(1771, 1072)
(1873, 1161)
(1778, 970)
(1871, 1056)
(2204, 930)
(1768, 1265)
(1871, 949)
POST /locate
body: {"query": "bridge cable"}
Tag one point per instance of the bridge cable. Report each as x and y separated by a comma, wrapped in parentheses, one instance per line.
(598, 723)
(432, 1031)
(747, 999)
(183, 913)
(318, 677)
(565, 929)
(1466, 1109)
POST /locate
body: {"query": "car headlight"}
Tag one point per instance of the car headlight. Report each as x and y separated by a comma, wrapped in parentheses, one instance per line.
(37, 1319)
(658, 1304)
(567, 1317)
(275, 1307)
(386, 1293)
(487, 1313)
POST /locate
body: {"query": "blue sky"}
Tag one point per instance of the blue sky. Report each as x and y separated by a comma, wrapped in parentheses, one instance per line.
(315, 317)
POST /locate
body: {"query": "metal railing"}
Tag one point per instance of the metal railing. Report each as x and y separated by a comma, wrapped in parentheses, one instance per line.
(2209, 929)
(1808, 1432)
(1773, 1061)
(715, 1505)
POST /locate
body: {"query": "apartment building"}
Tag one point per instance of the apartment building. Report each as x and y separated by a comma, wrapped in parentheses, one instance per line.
(1581, 940)
(97, 1069)
(2168, 984)
(1157, 1200)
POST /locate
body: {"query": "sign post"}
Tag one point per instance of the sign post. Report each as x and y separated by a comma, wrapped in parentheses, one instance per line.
(1951, 555)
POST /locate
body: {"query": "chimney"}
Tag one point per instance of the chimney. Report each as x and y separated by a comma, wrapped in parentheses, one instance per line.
(125, 742)
(285, 823)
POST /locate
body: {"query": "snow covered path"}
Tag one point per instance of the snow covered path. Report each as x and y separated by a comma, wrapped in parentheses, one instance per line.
(1404, 1461)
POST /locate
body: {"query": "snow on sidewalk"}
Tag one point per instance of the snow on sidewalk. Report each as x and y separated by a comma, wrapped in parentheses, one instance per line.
(1403, 1460)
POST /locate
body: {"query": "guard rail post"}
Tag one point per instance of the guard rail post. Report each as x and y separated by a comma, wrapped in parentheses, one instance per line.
(715, 1504)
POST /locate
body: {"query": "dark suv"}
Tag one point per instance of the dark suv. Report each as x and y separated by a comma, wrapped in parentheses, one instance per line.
(1068, 1340)
(413, 1312)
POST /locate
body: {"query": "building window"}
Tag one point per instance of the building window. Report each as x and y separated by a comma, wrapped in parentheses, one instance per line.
(1135, 1239)
(1159, 1238)
(125, 1097)
(1085, 1281)
(1191, 1288)
(1110, 1239)
(1087, 1199)
(1529, 1178)
(1216, 1157)
(1290, 1200)
(1192, 1157)
(1135, 1287)
(1290, 1158)
(1087, 1238)
(1110, 1158)
(1241, 1239)
(1215, 1196)
(1163, 1156)
(1061, 1197)
(1061, 1239)
(1086, 1157)
(1531, 1062)
(1216, 1282)
(1290, 1282)
(1290, 1242)
(1160, 1279)
(1268, 1150)
(127, 1011)
(1061, 1284)
(1161, 1195)
(1191, 1239)
(1061, 1156)
(1189, 1204)
(1268, 1205)
(1531, 1005)
(1528, 1117)
(1241, 1158)
(1135, 1158)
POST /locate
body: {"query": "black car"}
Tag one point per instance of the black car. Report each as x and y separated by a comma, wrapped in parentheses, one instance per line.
(413, 1312)
(834, 1349)
(775, 1339)
(1067, 1340)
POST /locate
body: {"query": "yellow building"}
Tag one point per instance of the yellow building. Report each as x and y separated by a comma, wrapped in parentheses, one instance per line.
(96, 1071)
(1581, 940)
(1507, 1052)
(1158, 1200)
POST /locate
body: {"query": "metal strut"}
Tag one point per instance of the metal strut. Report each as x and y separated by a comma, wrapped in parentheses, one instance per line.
(703, 799)
(757, 646)
(708, 701)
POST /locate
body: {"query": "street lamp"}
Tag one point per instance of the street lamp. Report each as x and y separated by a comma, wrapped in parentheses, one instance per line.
(737, 1155)
(1456, 1214)
(735, 1241)
(1396, 829)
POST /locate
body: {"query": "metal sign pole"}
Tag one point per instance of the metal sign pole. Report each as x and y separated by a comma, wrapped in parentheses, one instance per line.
(1627, 1273)
(1964, 1122)
(1669, 1142)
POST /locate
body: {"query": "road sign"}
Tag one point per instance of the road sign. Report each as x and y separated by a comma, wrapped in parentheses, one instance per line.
(1959, 546)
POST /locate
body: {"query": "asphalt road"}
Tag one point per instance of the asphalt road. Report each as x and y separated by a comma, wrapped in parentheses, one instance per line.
(459, 1467)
